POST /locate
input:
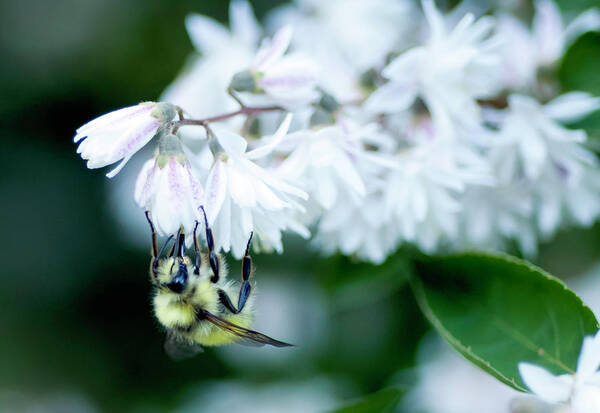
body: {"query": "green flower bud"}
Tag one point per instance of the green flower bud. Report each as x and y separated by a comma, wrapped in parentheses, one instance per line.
(243, 82)
(164, 111)
(321, 117)
(329, 103)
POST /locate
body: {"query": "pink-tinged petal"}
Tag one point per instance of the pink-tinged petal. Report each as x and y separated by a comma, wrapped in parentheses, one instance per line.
(550, 388)
(275, 140)
(144, 183)
(113, 119)
(120, 166)
(137, 138)
(216, 190)
(273, 49)
(196, 190)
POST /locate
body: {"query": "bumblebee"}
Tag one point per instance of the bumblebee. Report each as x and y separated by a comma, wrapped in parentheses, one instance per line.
(193, 301)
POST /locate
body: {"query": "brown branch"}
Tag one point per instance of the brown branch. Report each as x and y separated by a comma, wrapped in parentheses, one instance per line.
(246, 110)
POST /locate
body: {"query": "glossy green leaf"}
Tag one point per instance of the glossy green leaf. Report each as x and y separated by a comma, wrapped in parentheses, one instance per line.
(383, 401)
(497, 311)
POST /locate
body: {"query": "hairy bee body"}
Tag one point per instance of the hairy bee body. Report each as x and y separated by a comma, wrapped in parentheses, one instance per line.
(196, 303)
(181, 313)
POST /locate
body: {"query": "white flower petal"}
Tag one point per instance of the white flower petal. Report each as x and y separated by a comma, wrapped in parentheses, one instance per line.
(206, 34)
(572, 106)
(589, 357)
(216, 190)
(550, 388)
(243, 22)
(391, 98)
(274, 141)
(273, 49)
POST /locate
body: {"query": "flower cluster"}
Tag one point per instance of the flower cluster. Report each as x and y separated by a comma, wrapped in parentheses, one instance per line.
(369, 123)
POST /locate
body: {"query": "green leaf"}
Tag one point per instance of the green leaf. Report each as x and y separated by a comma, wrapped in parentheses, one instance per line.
(497, 311)
(383, 401)
(579, 71)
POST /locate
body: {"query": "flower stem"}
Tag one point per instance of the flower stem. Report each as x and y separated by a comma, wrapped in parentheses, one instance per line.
(246, 110)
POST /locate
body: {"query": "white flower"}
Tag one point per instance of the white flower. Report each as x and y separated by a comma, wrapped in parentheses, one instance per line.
(358, 228)
(323, 162)
(202, 86)
(524, 51)
(118, 135)
(581, 389)
(242, 197)
(531, 138)
(285, 79)
(168, 189)
(422, 192)
(493, 215)
(449, 73)
(360, 32)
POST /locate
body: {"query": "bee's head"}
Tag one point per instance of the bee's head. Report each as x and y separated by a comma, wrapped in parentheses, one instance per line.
(172, 273)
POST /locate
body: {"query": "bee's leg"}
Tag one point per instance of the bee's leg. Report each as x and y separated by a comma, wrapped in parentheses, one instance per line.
(175, 246)
(245, 287)
(226, 301)
(213, 259)
(154, 244)
(180, 249)
(197, 258)
(246, 271)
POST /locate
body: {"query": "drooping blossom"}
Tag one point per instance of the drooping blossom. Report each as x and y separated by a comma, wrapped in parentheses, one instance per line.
(168, 189)
(242, 197)
(118, 135)
(286, 79)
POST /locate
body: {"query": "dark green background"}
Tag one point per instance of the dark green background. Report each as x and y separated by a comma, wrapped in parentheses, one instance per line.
(74, 307)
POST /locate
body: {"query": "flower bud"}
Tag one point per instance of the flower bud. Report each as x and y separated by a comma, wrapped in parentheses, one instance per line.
(321, 117)
(329, 103)
(243, 82)
(169, 146)
(164, 111)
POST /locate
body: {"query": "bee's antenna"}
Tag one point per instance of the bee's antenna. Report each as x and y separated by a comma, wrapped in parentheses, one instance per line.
(154, 246)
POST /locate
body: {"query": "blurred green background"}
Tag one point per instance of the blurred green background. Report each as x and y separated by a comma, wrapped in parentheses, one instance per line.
(77, 332)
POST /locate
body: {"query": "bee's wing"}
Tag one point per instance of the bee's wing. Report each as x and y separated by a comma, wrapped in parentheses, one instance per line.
(179, 349)
(248, 337)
